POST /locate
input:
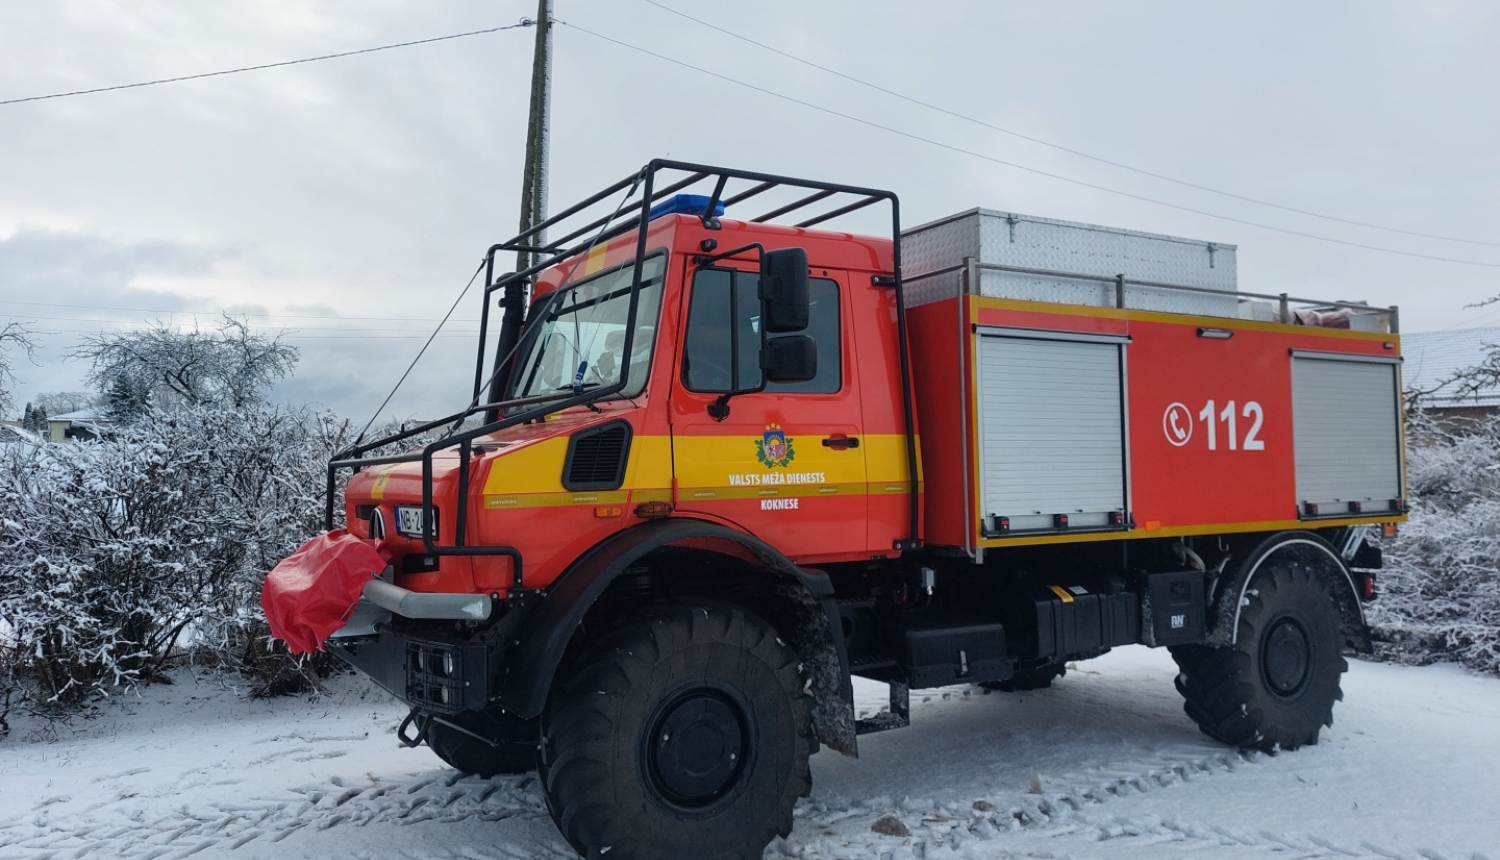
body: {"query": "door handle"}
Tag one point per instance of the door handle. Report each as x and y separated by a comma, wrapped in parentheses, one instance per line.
(839, 442)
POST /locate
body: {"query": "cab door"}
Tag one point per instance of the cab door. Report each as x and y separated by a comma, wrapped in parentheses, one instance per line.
(785, 463)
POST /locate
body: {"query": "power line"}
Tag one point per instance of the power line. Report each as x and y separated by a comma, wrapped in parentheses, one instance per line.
(225, 313)
(525, 22)
(283, 327)
(990, 158)
(1061, 148)
(288, 336)
(421, 352)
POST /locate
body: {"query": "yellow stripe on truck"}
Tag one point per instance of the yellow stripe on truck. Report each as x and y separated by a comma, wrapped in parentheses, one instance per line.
(595, 261)
(801, 491)
(377, 492)
(537, 469)
(885, 458)
(531, 477)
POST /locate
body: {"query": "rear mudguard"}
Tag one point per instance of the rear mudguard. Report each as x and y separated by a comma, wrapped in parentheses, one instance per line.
(1292, 547)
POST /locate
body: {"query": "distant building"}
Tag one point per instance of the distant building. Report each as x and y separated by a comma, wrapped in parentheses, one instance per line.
(88, 423)
(1431, 358)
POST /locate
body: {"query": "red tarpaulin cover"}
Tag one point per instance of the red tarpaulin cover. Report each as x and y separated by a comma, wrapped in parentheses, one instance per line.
(311, 593)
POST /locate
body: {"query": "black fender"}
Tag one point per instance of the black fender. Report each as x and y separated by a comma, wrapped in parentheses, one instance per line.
(539, 645)
(1301, 547)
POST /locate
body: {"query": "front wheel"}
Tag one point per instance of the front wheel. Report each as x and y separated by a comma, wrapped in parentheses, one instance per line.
(1275, 687)
(687, 734)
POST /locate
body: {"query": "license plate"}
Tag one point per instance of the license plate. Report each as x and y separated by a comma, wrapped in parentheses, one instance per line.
(409, 521)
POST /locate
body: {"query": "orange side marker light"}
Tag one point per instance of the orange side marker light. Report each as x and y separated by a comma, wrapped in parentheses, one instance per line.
(606, 512)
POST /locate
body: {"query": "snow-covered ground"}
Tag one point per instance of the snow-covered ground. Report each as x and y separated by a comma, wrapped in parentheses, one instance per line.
(1103, 765)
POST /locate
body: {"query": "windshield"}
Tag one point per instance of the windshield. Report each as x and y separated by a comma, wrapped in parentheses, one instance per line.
(575, 337)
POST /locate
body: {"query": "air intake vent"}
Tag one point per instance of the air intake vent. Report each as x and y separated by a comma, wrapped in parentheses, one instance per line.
(597, 457)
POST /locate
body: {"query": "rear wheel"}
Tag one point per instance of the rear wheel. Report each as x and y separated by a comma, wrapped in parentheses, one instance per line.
(505, 743)
(686, 734)
(1275, 687)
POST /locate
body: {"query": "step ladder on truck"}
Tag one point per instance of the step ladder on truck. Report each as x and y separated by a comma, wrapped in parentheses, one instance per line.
(721, 459)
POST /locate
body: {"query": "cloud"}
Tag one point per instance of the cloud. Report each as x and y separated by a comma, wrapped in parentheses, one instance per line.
(78, 268)
(66, 285)
(62, 285)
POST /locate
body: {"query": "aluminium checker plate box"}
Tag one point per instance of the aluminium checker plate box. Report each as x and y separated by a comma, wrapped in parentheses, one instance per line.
(1025, 241)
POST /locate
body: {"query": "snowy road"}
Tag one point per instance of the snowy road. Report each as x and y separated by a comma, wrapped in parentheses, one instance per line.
(1102, 765)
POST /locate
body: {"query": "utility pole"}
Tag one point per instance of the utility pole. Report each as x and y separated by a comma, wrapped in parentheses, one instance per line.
(533, 202)
(534, 179)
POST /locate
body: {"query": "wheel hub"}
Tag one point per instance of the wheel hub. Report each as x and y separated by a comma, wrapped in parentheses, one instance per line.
(1286, 657)
(697, 749)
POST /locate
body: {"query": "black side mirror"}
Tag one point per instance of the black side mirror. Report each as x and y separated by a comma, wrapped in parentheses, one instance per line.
(784, 290)
(790, 359)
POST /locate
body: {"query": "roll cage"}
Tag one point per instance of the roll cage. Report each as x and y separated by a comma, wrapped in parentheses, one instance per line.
(583, 229)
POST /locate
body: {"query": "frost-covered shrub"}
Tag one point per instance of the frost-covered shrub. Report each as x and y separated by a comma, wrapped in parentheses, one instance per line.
(10, 686)
(118, 555)
(1441, 584)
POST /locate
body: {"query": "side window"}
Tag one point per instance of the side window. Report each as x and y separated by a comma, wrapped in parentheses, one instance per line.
(724, 318)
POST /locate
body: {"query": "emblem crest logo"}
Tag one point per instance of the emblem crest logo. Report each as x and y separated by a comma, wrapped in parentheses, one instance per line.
(773, 448)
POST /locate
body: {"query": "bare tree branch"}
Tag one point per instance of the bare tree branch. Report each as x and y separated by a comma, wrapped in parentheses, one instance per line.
(1473, 381)
(14, 334)
(166, 368)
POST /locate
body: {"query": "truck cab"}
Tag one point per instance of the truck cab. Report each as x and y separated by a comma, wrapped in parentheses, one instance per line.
(815, 466)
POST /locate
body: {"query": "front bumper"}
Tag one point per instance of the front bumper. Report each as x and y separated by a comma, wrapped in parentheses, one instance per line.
(440, 675)
(433, 673)
(420, 604)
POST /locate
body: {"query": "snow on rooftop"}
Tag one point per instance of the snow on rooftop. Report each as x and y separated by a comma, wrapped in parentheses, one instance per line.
(87, 414)
(1433, 356)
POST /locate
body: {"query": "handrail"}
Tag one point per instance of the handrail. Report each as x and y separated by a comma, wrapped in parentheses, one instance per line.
(1118, 280)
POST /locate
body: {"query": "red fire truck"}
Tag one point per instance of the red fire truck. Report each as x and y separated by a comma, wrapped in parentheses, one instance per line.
(716, 467)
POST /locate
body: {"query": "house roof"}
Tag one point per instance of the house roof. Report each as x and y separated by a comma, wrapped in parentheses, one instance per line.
(86, 415)
(1430, 357)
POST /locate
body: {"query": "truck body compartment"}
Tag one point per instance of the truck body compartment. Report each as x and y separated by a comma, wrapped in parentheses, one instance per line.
(935, 655)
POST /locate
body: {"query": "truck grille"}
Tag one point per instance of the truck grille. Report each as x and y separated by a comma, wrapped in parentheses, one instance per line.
(597, 457)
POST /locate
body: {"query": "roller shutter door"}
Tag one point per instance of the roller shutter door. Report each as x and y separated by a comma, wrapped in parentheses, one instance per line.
(1051, 429)
(1346, 423)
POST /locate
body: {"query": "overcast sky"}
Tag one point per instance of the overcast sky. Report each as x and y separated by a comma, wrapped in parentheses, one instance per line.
(348, 201)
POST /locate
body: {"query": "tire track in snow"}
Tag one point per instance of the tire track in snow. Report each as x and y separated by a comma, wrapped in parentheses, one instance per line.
(135, 834)
(944, 829)
(1079, 806)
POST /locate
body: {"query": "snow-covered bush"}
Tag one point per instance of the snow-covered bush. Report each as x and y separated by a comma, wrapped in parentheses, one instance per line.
(1441, 584)
(117, 554)
(122, 554)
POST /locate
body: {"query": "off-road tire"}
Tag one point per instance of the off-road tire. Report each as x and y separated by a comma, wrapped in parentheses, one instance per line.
(514, 750)
(717, 679)
(1275, 688)
(1039, 678)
